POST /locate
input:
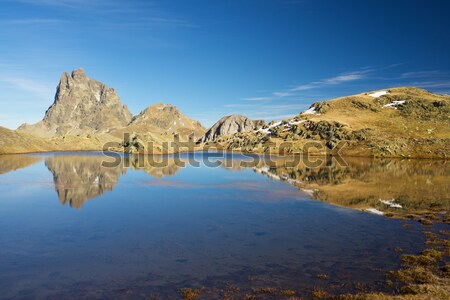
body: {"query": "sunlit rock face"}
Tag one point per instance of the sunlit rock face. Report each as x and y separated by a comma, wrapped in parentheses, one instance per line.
(80, 178)
(230, 125)
(82, 105)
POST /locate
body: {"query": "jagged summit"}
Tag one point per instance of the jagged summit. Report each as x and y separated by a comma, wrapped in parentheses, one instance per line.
(81, 105)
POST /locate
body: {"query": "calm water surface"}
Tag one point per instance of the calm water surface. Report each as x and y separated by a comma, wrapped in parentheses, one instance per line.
(72, 229)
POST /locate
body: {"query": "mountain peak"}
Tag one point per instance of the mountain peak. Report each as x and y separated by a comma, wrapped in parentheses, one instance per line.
(82, 105)
(78, 73)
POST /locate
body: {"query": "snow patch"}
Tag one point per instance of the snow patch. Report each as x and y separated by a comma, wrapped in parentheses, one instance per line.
(391, 203)
(375, 211)
(267, 130)
(378, 94)
(96, 181)
(293, 181)
(292, 122)
(394, 104)
(261, 170)
(310, 111)
(265, 171)
(308, 192)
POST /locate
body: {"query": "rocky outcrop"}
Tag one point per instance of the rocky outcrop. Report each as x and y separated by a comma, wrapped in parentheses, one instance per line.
(82, 106)
(230, 125)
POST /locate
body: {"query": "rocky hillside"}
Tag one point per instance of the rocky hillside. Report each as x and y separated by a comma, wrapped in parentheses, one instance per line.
(398, 122)
(12, 141)
(230, 125)
(82, 106)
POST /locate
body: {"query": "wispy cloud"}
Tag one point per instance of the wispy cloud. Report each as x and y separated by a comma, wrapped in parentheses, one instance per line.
(282, 94)
(39, 89)
(432, 84)
(339, 79)
(423, 74)
(69, 3)
(31, 21)
(257, 99)
(169, 22)
(336, 80)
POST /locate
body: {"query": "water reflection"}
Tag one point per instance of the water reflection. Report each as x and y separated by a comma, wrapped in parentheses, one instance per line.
(10, 163)
(388, 185)
(162, 228)
(80, 178)
(392, 185)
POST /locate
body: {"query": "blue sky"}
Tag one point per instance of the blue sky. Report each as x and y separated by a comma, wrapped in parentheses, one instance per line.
(266, 59)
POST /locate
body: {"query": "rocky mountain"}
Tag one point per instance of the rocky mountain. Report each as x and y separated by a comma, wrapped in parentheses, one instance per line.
(165, 119)
(397, 122)
(230, 125)
(82, 105)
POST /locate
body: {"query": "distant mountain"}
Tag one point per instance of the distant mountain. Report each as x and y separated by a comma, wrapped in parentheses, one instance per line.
(397, 122)
(230, 125)
(82, 106)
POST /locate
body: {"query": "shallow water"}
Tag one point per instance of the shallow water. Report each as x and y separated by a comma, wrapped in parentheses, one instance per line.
(72, 229)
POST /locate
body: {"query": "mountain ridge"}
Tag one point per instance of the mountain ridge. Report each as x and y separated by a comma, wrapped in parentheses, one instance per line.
(397, 122)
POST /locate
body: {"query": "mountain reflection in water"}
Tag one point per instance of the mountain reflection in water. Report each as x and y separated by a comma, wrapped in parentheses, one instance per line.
(158, 227)
(413, 185)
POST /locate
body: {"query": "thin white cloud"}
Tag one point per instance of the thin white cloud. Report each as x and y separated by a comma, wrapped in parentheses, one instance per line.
(336, 80)
(39, 89)
(282, 94)
(168, 22)
(432, 84)
(423, 74)
(257, 99)
(68, 3)
(31, 21)
(339, 79)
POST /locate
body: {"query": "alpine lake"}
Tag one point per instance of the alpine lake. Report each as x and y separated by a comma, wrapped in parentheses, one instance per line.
(228, 226)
